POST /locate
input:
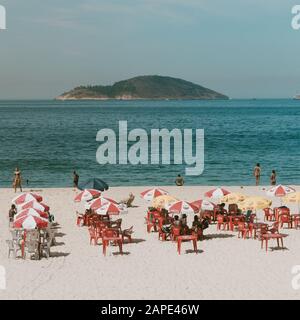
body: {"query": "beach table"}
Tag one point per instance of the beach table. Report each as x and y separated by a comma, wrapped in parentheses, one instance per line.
(192, 238)
(268, 236)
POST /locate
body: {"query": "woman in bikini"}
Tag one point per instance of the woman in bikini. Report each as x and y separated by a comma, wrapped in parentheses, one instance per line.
(17, 180)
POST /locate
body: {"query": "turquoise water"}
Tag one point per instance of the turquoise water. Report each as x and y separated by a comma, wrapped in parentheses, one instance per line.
(49, 139)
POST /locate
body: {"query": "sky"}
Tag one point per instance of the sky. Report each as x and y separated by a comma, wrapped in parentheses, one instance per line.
(245, 49)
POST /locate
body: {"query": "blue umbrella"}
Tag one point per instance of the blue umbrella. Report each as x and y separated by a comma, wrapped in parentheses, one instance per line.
(94, 183)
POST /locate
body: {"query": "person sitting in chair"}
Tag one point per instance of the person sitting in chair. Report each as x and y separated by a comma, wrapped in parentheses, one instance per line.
(128, 201)
(184, 229)
(179, 181)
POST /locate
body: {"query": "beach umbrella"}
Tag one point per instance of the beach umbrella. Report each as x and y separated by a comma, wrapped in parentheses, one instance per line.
(163, 201)
(203, 205)
(35, 205)
(99, 202)
(293, 198)
(30, 222)
(233, 197)
(254, 203)
(108, 209)
(94, 183)
(216, 193)
(87, 195)
(150, 194)
(280, 191)
(31, 212)
(183, 207)
(25, 197)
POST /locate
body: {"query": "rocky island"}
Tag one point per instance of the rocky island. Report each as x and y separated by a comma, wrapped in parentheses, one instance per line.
(144, 87)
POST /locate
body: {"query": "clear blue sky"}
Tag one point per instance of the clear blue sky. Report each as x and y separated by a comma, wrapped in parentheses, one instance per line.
(241, 48)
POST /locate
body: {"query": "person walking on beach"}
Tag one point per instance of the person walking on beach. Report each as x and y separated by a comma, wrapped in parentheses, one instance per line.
(256, 173)
(179, 181)
(273, 178)
(17, 180)
(75, 179)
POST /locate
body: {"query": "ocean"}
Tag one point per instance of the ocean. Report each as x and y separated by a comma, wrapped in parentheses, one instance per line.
(50, 139)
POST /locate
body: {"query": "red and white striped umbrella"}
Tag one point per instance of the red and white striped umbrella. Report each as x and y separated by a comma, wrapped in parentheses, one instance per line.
(280, 191)
(35, 205)
(108, 208)
(99, 202)
(87, 195)
(30, 222)
(31, 212)
(183, 207)
(204, 205)
(26, 197)
(217, 193)
(150, 194)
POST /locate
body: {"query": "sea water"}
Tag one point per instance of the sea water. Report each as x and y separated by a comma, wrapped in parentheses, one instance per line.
(50, 139)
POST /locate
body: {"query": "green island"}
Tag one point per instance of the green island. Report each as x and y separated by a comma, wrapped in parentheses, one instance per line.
(152, 87)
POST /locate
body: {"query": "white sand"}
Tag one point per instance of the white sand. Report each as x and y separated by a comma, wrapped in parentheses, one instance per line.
(226, 268)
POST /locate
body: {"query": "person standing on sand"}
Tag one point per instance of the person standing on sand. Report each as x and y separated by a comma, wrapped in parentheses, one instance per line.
(75, 179)
(273, 178)
(17, 180)
(256, 173)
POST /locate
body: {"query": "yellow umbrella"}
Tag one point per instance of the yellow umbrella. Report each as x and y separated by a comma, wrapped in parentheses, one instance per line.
(233, 197)
(293, 198)
(254, 203)
(163, 201)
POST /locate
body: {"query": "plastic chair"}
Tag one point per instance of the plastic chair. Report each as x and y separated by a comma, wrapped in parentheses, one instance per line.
(187, 238)
(221, 221)
(175, 233)
(111, 235)
(127, 234)
(297, 221)
(269, 214)
(285, 219)
(94, 237)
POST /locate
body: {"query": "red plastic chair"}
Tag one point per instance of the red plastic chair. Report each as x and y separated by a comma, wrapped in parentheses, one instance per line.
(175, 233)
(111, 235)
(297, 221)
(243, 230)
(274, 228)
(187, 238)
(233, 208)
(127, 234)
(150, 224)
(221, 221)
(269, 214)
(285, 219)
(93, 236)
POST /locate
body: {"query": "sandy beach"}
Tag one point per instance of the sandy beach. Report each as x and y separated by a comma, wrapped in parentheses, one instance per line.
(225, 268)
